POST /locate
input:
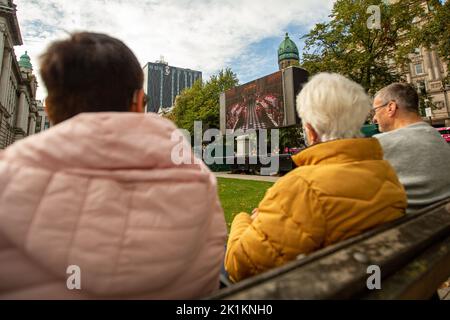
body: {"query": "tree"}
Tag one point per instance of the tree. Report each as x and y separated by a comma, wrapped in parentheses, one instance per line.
(201, 102)
(292, 137)
(369, 55)
(436, 33)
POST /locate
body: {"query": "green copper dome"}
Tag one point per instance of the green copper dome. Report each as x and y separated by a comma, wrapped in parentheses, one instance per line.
(25, 61)
(288, 50)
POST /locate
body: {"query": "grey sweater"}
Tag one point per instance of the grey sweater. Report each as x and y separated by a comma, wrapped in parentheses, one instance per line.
(421, 158)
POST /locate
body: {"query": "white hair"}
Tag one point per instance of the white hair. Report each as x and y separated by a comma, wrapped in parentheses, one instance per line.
(334, 106)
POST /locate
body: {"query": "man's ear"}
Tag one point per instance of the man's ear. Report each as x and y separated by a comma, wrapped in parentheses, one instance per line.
(392, 109)
(138, 102)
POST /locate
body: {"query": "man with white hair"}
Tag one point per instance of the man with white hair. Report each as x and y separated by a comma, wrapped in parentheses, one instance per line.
(341, 188)
(418, 153)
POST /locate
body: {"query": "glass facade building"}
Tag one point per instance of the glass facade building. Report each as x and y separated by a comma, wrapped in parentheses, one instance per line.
(163, 83)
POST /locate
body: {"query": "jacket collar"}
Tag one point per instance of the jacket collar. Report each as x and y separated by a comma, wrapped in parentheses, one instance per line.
(340, 151)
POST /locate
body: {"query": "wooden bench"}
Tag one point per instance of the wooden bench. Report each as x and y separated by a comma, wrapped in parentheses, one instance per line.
(413, 254)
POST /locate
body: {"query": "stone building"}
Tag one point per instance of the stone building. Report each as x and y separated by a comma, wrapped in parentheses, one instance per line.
(427, 72)
(42, 120)
(18, 85)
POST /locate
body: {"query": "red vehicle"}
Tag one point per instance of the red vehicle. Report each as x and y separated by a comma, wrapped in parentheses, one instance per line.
(445, 133)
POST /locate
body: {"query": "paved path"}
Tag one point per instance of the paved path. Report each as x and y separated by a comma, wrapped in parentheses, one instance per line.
(245, 177)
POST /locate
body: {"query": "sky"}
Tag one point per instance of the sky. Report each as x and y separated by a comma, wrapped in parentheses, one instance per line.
(204, 35)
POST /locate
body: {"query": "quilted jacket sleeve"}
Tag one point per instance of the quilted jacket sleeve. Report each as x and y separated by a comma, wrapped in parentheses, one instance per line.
(289, 223)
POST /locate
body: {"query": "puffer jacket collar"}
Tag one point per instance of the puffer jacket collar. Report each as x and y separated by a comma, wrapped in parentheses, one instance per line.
(340, 151)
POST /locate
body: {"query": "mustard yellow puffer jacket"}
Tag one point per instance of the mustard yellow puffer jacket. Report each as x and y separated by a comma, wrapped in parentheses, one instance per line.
(340, 189)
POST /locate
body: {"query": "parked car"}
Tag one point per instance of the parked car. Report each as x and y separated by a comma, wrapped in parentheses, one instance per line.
(445, 133)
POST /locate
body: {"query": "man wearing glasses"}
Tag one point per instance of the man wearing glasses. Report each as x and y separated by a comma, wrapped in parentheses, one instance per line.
(416, 150)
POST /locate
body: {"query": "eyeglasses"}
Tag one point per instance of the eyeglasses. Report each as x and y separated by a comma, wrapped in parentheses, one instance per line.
(374, 110)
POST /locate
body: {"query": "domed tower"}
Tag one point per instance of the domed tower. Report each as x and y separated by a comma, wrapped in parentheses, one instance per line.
(26, 70)
(25, 62)
(288, 53)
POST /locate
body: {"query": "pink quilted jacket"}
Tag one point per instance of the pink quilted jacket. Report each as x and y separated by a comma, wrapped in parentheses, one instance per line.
(100, 192)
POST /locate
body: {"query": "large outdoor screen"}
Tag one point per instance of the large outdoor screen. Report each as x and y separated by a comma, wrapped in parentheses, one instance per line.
(256, 105)
(265, 103)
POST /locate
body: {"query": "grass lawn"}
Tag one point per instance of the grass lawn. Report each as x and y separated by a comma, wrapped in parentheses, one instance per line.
(240, 196)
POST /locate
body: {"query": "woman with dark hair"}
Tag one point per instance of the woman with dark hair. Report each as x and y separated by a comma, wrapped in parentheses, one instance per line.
(99, 196)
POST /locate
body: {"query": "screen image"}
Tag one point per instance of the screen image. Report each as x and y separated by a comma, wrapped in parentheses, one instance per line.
(256, 105)
(265, 103)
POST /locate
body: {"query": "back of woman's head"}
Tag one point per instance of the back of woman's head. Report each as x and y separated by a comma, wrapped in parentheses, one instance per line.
(334, 106)
(89, 72)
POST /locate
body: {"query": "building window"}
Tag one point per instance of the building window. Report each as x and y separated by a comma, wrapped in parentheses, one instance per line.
(418, 68)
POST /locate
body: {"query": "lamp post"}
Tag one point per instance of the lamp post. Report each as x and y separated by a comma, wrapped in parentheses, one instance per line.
(419, 92)
(428, 112)
(422, 91)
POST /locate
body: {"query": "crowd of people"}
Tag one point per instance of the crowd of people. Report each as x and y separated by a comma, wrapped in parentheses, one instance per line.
(99, 191)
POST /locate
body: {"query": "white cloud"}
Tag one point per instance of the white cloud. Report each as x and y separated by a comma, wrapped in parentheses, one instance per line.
(198, 34)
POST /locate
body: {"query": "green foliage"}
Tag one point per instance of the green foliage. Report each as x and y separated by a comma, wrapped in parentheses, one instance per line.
(291, 137)
(346, 44)
(201, 102)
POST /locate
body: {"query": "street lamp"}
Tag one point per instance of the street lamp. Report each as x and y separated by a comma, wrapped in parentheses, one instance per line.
(428, 110)
(422, 91)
